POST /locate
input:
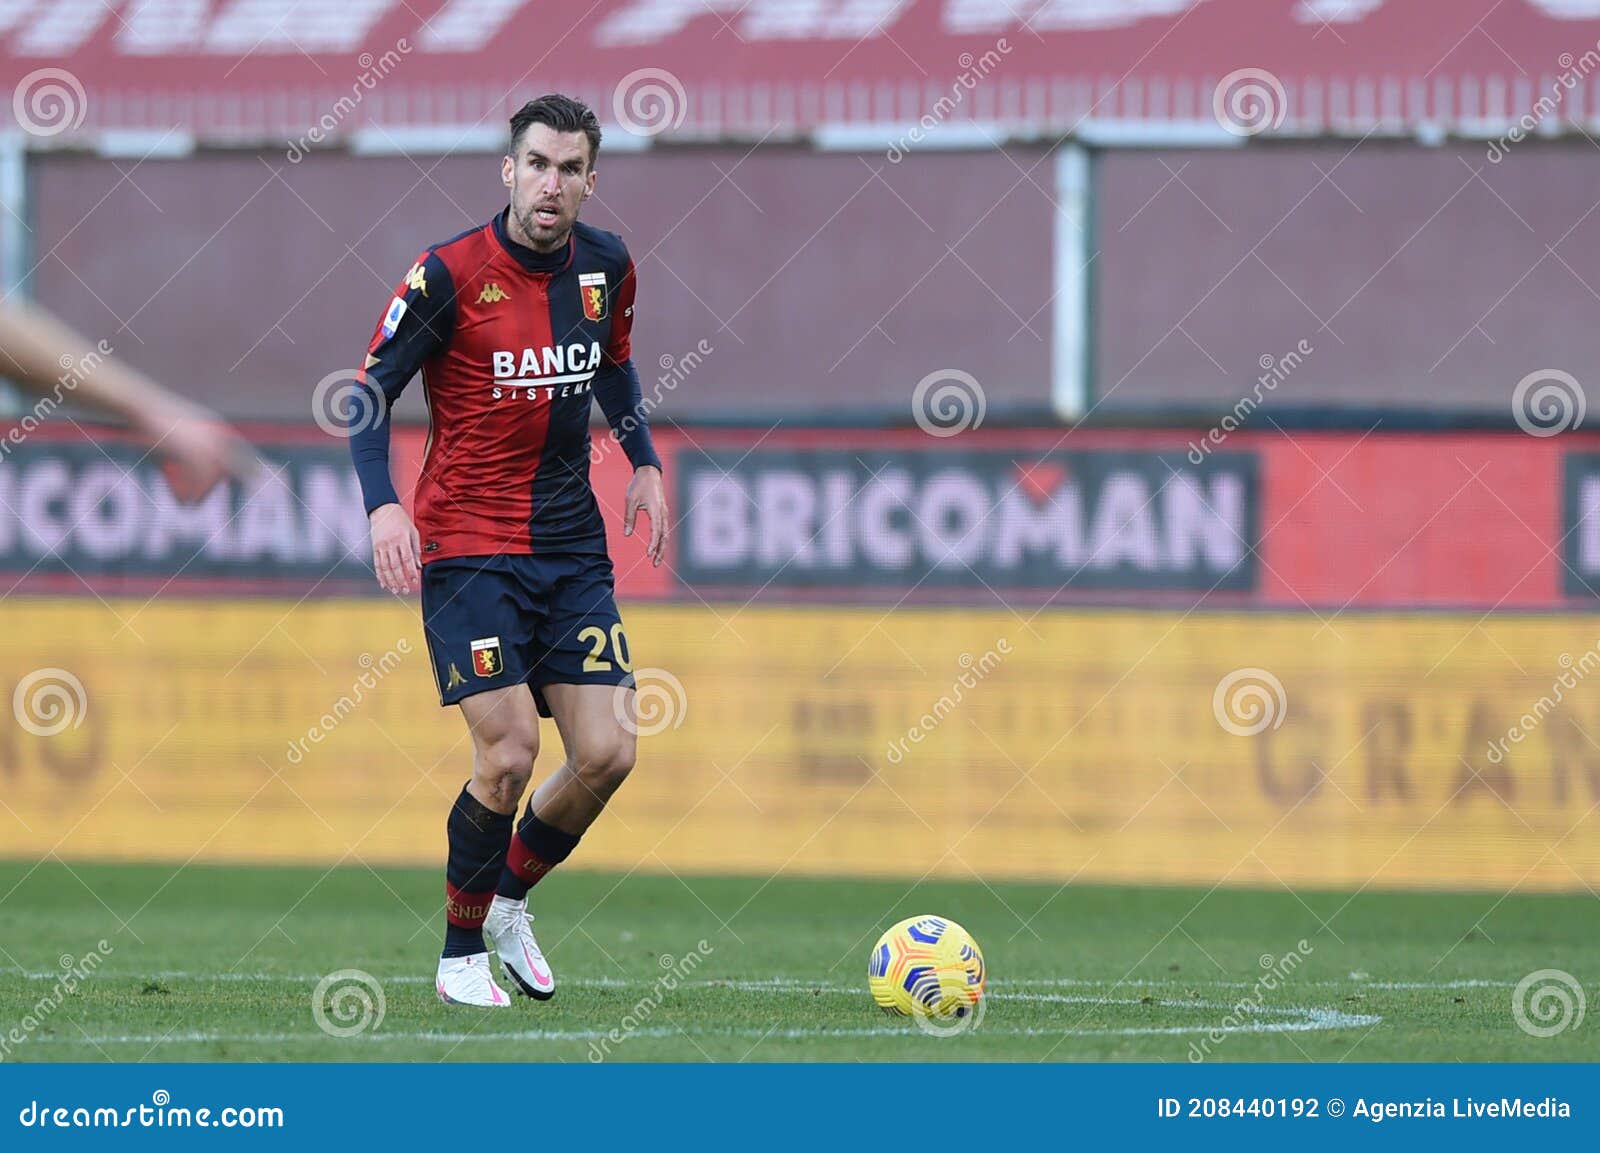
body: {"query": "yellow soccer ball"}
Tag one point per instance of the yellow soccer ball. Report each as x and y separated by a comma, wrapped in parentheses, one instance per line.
(926, 967)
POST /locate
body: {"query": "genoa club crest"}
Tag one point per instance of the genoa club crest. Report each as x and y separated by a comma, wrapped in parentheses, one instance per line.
(592, 286)
(486, 660)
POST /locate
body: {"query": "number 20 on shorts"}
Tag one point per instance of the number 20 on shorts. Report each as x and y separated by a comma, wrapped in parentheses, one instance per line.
(595, 637)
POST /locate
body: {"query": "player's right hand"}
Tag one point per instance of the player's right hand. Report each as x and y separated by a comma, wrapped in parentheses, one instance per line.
(396, 549)
(204, 450)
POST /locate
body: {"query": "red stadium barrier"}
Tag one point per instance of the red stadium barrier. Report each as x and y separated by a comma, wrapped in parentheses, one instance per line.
(275, 68)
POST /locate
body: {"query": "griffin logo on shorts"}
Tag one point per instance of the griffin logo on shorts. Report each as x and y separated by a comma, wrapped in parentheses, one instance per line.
(486, 660)
(593, 287)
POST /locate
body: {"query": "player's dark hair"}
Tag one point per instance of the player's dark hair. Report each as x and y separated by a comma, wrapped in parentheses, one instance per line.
(561, 113)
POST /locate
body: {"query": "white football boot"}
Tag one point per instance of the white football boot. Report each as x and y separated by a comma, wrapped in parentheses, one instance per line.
(507, 929)
(468, 981)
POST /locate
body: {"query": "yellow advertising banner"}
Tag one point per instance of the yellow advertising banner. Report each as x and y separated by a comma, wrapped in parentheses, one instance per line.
(1393, 750)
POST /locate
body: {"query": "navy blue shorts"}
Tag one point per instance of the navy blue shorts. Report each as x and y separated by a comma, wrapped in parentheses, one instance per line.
(496, 621)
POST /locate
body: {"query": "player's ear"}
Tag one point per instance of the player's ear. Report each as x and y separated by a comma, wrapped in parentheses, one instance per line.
(508, 171)
(588, 185)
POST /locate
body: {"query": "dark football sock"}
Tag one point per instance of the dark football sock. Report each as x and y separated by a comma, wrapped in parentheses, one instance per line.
(536, 848)
(477, 856)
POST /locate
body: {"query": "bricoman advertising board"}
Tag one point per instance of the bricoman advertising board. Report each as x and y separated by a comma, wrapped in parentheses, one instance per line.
(103, 515)
(944, 517)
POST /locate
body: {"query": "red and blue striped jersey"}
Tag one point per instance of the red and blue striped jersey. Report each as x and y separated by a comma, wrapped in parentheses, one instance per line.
(512, 344)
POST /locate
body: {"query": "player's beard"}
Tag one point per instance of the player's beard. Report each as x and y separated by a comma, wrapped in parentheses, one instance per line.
(545, 238)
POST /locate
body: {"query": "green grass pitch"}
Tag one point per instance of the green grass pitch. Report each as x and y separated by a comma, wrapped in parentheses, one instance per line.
(223, 964)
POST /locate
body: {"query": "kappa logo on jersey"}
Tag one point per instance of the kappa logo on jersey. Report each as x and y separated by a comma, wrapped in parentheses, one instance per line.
(391, 319)
(456, 679)
(486, 656)
(492, 294)
(417, 279)
(593, 287)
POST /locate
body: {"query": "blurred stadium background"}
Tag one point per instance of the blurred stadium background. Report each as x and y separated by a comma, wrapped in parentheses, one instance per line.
(1127, 441)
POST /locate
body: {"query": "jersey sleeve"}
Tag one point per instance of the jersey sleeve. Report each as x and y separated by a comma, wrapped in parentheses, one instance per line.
(616, 384)
(415, 326)
(620, 347)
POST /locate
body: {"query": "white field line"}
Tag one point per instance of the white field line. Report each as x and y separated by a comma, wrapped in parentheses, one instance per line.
(794, 983)
(1296, 1020)
(1268, 1019)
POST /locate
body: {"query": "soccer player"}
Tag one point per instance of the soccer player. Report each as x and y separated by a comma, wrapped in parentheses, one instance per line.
(514, 325)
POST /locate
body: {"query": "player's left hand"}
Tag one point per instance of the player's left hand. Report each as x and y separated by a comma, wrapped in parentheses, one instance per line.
(647, 493)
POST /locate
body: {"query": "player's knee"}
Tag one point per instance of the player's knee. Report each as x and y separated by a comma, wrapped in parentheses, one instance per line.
(604, 762)
(505, 765)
